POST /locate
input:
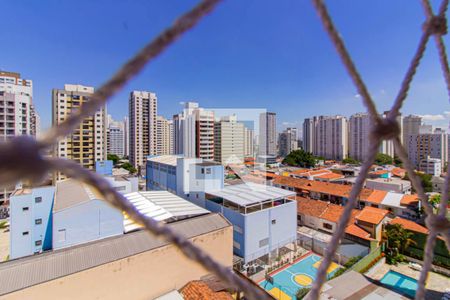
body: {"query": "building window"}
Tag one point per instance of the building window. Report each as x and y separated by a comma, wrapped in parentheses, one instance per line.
(327, 226)
(26, 208)
(238, 229)
(38, 221)
(38, 200)
(263, 242)
(208, 170)
(236, 245)
(25, 233)
(274, 222)
(38, 243)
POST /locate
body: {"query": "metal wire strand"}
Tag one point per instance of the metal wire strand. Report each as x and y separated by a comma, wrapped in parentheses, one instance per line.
(117, 200)
(343, 220)
(129, 70)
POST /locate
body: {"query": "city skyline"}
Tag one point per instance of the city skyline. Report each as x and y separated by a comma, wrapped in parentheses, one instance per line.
(245, 76)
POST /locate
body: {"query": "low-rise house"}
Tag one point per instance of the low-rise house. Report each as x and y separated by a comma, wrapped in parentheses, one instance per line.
(406, 206)
(263, 217)
(372, 219)
(390, 184)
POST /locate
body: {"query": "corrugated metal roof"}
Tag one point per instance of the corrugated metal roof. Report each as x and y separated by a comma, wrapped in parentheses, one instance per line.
(25, 272)
(250, 193)
(160, 205)
(392, 199)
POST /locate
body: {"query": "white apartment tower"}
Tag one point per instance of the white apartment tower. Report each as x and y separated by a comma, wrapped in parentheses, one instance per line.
(17, 114)
(331, 137)
(116, 137)
(288, 141)
(143, 111)
(126, 133)
(427, 145)
(87, 143)
(193, 132)
(358, 136)
(249, 142)
(164, 136)
(229, 141)
(268, 134)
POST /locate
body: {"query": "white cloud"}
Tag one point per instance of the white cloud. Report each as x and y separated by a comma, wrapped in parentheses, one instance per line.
(447, 114)
(437, 117)
(357, 96)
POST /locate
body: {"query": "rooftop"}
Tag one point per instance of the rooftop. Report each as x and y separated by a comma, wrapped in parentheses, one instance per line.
(310, 207)
(250, 193)
(161, 206)
(372, 215)
(330, 176)
(377, 196)
(208, 164)
(198, 289)
(71, 192)
(165, 159)
(409, 225)
(28, 271)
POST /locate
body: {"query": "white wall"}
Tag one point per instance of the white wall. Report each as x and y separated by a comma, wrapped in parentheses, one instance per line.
(22, 221)
(85, 222)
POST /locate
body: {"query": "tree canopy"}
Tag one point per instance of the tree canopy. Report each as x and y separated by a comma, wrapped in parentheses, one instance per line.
(129, 167)
(383, 159)
(350, 160)
(300, 158)
(115, 159)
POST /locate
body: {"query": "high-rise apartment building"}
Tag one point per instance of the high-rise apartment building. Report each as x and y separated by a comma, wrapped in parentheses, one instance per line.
(229, 141)
(87, 143)
(194, 132)
(249, 142)
(126, 132)
(164, 136)
(428, 145)
(288, 141)
(268, 134)
(331, 137)
(143, 111)
(411, 125)
(17, 113)
(358, 135)
(116, 137)
(309, 128)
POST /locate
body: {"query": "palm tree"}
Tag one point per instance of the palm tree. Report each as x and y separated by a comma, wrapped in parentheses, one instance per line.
(398, 238)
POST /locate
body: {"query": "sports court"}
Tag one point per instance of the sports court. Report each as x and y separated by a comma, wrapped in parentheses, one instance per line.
(302, 273)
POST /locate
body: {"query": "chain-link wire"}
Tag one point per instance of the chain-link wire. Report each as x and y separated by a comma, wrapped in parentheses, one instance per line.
(21, 158)
(388, 129)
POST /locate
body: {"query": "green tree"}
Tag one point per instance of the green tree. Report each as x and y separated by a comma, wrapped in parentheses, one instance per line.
(383, 159)
(301, 293)
(398, 240)
(300, 158)
(435, 200)
(129, 167)
(350, 160)
(115, 159)
(397, 161)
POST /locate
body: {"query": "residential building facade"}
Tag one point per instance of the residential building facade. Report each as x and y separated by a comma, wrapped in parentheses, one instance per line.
(431, 166)
(288, 141)
(268, 134)
(116, 138)
(229, 141)
(164, 136)
(249, 142)
(422, 146)
(17, 113)
(87, 143)
(331, 137)
(142, 118)
(358, 136)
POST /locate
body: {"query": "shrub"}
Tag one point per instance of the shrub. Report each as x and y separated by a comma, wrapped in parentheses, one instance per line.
(301, 293)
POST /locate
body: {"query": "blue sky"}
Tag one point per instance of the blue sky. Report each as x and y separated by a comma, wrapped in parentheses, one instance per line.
(246, 54)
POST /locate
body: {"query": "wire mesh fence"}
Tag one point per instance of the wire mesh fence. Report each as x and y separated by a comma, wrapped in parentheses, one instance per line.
(22, 158)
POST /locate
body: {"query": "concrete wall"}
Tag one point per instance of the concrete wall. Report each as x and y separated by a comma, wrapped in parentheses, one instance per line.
(38, 237)
(143, 276)
(85, 222)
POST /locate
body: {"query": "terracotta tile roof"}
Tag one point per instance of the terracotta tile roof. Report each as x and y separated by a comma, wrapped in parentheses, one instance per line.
(198, 290)
(252, 178)
(409, 225)
(372, 215)
(409, 199)
(357, 231)
(330, 176)
(377, 196)
(310, 207)
(333, 213)
(300, 171)
(399, 172)
(335, 189)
